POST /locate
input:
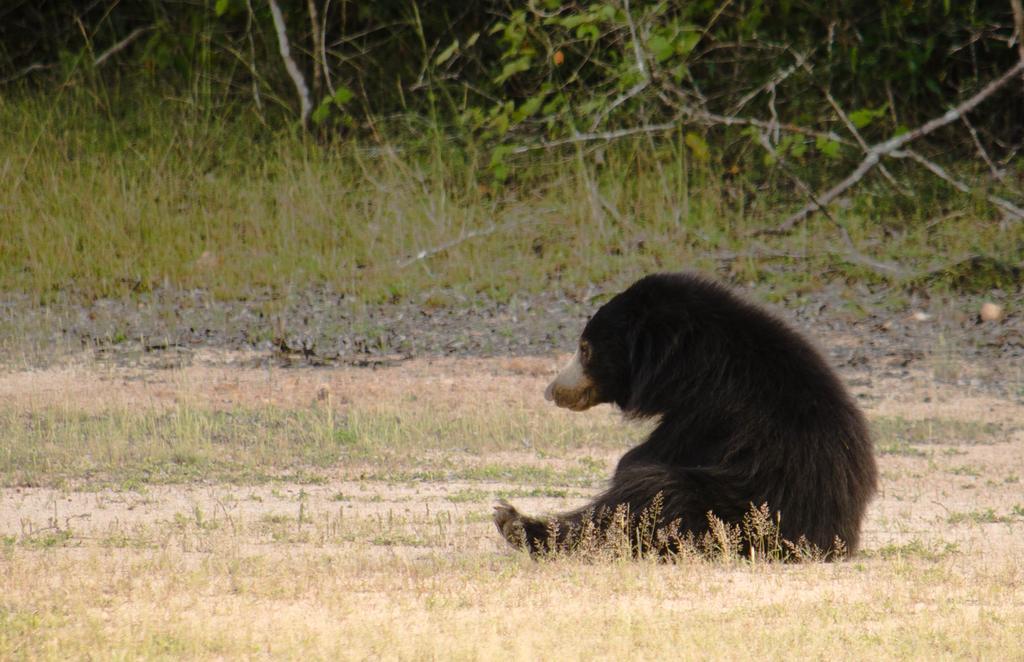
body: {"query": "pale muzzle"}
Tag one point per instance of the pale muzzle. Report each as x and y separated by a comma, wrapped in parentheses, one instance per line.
(572, 389)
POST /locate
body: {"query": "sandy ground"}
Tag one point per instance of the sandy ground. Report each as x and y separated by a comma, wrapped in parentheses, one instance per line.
(352, 568)
(919, 494)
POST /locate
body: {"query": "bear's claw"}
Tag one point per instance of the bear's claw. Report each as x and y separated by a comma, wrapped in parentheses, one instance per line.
(510, 523)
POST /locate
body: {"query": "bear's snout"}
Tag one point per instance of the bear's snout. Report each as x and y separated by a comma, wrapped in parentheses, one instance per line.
(572, 388)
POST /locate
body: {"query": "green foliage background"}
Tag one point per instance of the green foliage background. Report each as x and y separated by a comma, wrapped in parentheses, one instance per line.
(457, 59)
(160, 143)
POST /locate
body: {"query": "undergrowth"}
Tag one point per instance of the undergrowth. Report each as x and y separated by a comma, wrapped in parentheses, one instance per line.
(136, 192)
(617, 533)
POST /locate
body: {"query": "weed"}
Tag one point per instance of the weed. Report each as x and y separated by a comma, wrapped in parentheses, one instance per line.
(987, 516)
(966, 470)
(916, 548)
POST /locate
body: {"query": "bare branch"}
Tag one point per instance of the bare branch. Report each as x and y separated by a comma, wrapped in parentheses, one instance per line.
(323, 49)
(318, 39)
(893, 144)
(249, 20)
(602, 135)
(35, 66)
(621, 99)
(440, 248)
(827, 197)
(776, 80)
(952, 114)
(851, 253)
(121, 45)
(852, 128)
(641, 66)
(305, 105)
(1018, 25)
(982, 152)
(636, 42)
(99, 61)
(714, 119)
(941, 173)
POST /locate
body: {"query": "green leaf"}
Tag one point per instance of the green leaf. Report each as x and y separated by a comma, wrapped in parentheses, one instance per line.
(222, 7)
(447, 53)
(322, 112)
(512, 68)
(606, 12)
(865, 116)
(342, 95)
(530, 106)
(553, 105)
(570, 22)
(472, 39)
(698, 146)
(686, 42)
(661, 48)
(588, 31)
(498, 167)
(828, 147)
(500, 123)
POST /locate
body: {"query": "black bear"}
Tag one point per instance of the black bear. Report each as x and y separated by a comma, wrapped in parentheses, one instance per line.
(748, 414)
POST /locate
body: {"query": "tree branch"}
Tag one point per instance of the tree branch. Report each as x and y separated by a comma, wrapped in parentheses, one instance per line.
(852, 254)
(440, 248)
(305, 104)
(121, 45)
(602, 135)
(893, 144)
(99, 61)
(1018, 25)
(941, 173)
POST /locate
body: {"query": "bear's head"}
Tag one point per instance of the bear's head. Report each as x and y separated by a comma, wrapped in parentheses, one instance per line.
(630, 348)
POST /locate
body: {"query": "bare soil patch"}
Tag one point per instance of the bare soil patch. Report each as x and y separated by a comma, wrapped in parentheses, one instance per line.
(408, 565)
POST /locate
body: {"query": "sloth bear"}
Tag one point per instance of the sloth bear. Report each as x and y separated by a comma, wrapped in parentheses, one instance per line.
(748, 414)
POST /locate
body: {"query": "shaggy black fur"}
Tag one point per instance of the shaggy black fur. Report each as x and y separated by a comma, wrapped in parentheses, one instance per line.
(749, 413)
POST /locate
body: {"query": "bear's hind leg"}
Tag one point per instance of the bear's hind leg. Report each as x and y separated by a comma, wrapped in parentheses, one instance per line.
(518, 530)
(648, 507)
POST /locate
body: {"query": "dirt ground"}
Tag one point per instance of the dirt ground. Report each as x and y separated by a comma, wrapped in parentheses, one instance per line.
(412, 568)
(911, 500)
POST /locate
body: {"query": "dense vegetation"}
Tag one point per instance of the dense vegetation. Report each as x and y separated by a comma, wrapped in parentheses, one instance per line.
(234, 142)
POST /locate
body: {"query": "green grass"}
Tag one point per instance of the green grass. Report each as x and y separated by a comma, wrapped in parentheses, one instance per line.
(987, 516)
(131, 449)
(898, 436)
(135, 192)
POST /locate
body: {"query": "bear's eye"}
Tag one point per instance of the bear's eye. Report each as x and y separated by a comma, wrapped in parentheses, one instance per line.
(584, 351)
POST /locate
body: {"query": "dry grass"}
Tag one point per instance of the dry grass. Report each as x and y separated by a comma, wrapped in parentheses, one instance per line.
(386, 550)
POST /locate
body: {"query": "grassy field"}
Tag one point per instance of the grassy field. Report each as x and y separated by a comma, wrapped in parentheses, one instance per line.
(218, 511)
(212, 510)
(125, 191)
